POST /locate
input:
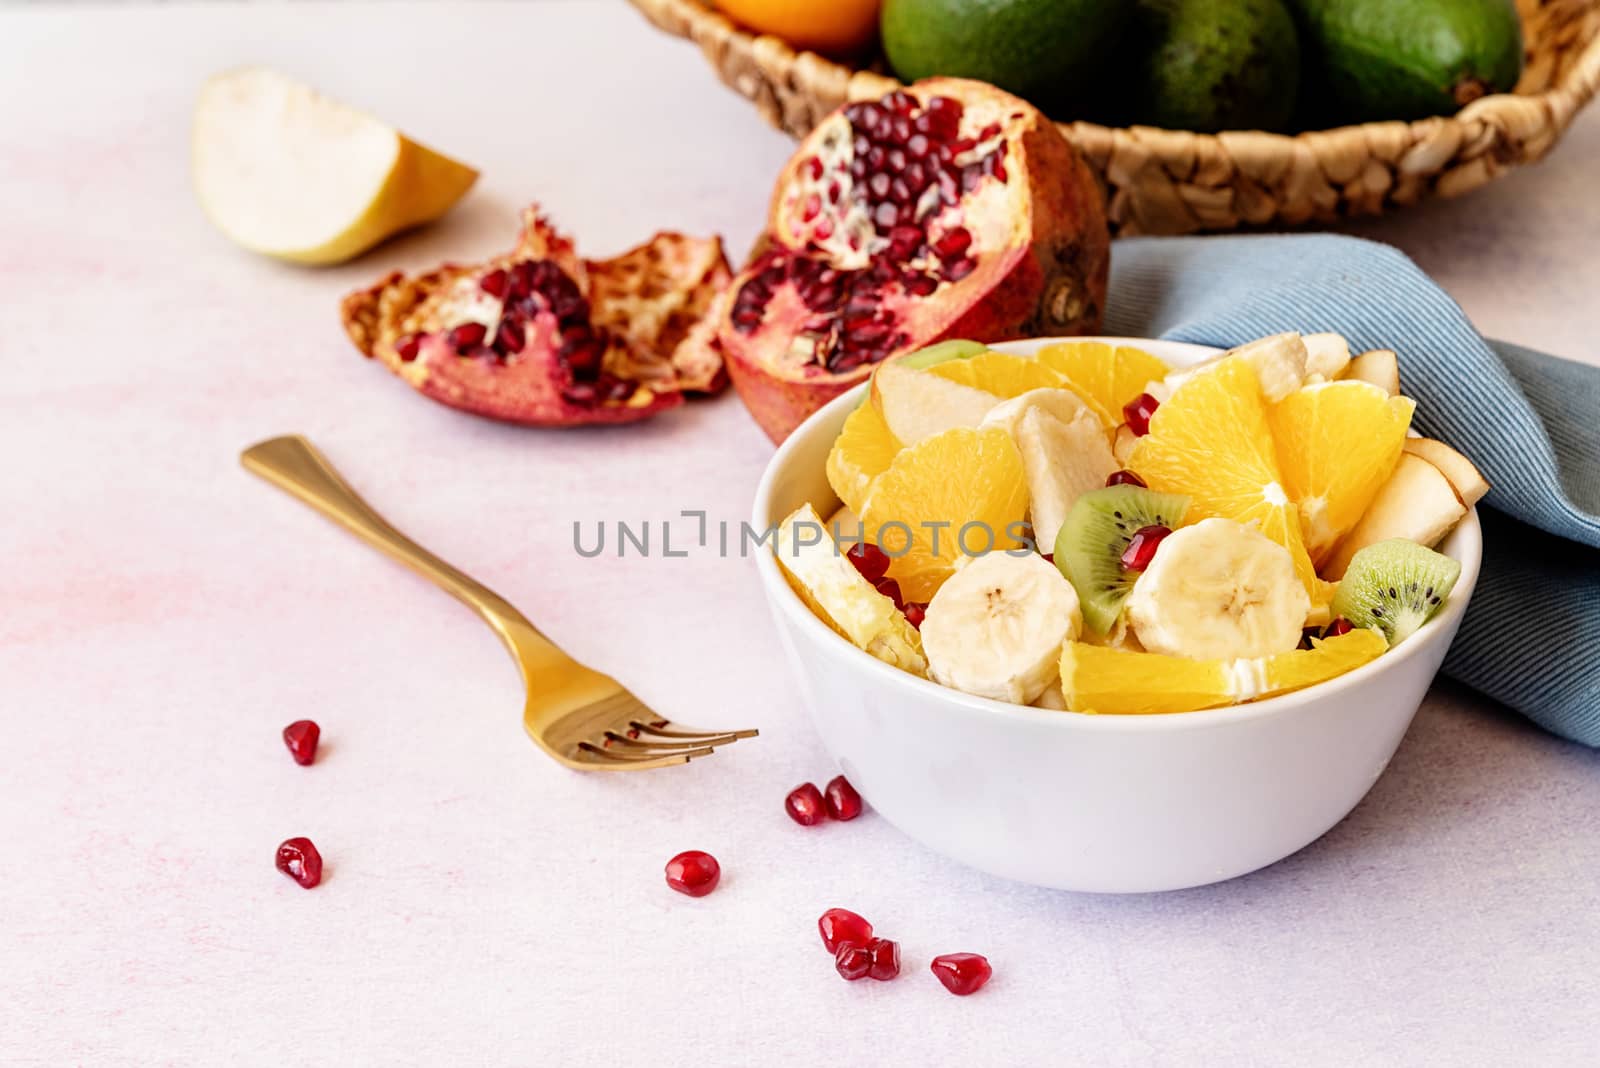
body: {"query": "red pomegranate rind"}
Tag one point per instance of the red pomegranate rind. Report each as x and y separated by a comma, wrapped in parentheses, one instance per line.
(950, 210)
(656, 296)
(518, 337)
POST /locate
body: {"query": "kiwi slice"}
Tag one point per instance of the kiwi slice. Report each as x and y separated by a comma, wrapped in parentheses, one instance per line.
(1090, 546)
(1395, 586)
(940, 352)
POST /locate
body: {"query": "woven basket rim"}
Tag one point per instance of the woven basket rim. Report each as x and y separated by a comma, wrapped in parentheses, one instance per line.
(1577, 85)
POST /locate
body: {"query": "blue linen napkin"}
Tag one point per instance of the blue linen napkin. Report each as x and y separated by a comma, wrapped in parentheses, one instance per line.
(1531, 422)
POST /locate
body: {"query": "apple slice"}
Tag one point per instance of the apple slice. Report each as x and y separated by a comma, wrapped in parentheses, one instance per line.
(1326, 355)
(1279, 362)
(1064, 404)
(289, 173)
(1460, 472)
(1381, 367)
(1417, 503)
(916, 405)
(1062, 460)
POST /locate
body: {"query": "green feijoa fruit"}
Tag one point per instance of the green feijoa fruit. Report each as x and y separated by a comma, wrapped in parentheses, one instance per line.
(1367, 60)
(1395, 586)
(1090, 546)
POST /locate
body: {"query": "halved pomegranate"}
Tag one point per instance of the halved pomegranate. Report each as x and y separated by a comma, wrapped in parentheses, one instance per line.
(542, 337)
(951, 209)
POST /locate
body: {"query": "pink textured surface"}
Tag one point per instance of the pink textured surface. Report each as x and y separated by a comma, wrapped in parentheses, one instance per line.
(165, 616)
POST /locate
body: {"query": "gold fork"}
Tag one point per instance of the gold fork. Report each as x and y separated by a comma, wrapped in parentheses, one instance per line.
(584, 719)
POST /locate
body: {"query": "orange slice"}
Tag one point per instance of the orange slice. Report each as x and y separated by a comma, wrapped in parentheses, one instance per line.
(1119, 682)
(1108, 375)
(917, 510)
(1337, 444)
(1000, 373)
(862, 451)
(1211, 441)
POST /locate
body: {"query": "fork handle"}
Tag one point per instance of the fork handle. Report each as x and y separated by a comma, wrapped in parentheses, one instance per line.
(296, 466)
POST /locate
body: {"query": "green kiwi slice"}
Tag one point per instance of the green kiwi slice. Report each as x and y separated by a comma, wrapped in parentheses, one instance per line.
(1090, 546)
(1395, 586)
(941, 352)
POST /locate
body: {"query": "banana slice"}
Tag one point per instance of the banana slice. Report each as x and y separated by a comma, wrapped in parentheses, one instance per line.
(996, 627)
(1218, 590)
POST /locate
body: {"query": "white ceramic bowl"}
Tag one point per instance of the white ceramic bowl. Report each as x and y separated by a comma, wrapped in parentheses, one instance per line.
(1117, 804)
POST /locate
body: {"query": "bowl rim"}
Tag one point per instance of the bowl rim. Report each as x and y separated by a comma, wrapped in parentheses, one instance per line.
(1466, 540)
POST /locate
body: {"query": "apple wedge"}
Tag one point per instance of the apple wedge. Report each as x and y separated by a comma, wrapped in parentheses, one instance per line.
(1064, 404)
(1279, 362)
(1326, 355)
(1460, 472)
(917, 405)
(1381, 367)
(288, 173)
(1062, 461)
(1417, 503)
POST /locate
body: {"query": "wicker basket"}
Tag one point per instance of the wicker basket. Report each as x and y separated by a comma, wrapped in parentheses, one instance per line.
(1175, 182)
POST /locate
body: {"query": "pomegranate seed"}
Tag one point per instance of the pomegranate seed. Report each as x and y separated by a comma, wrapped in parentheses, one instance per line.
(301, 738)
(962, 973)
(814, 165)
(1138, 411)
(999, 171)
(508, 338)
(870, 560)
(885, 215)
(853, 961)
(523, 277)
(1339, 626)
(839, 926)
(811, 208)
(406, 347)
(467, 337)
(900, 102)
(1124, 478)
(885, 959)
(921, 285)
(842, 800)
(494, 283)
(958, 270)
(891, 589)
(918, 145)
(805, 805)
(300, 861)
(694, 873)
(823, 230)
(944, 117)
(916, 612)
(1142, 546)
(953, 243)
(833, 192)
(896, 160)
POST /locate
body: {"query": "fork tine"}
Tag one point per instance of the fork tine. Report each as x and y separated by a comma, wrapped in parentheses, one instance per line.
(709, 741)
(607, 758)
(685, 734)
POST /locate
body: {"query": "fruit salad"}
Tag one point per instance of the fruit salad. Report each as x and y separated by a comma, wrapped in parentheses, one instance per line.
(1090, 530)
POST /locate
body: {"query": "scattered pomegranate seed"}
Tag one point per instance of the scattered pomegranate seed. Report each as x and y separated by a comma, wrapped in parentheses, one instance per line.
(301, 738)
(885, 959)
(843, 801)
(916, 612)
(962, 973)
(870, 560)
(891, 589)
(1340, 625)
(1125, 478)
(1138, 411)
(494, 283)
(853, 961)
(1142, 546)
(694, 873)
(300, 861)
(839, 926)
(805, 805)
(406, 347)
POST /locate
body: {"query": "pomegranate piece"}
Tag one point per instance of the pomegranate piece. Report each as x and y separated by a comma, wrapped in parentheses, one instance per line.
(694, 873)
(301, 737)
(842, 800)
(853, 961)
(871, 561)
(542, 337)
(1143, 545)
(1340, 625)
(891, 589)
(916, 612)
(951, 209)
(962, 973)
(1137, 412)
(805, 805)
(885, 959)
(300, 861)
(1125, 478)
(838, 926)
